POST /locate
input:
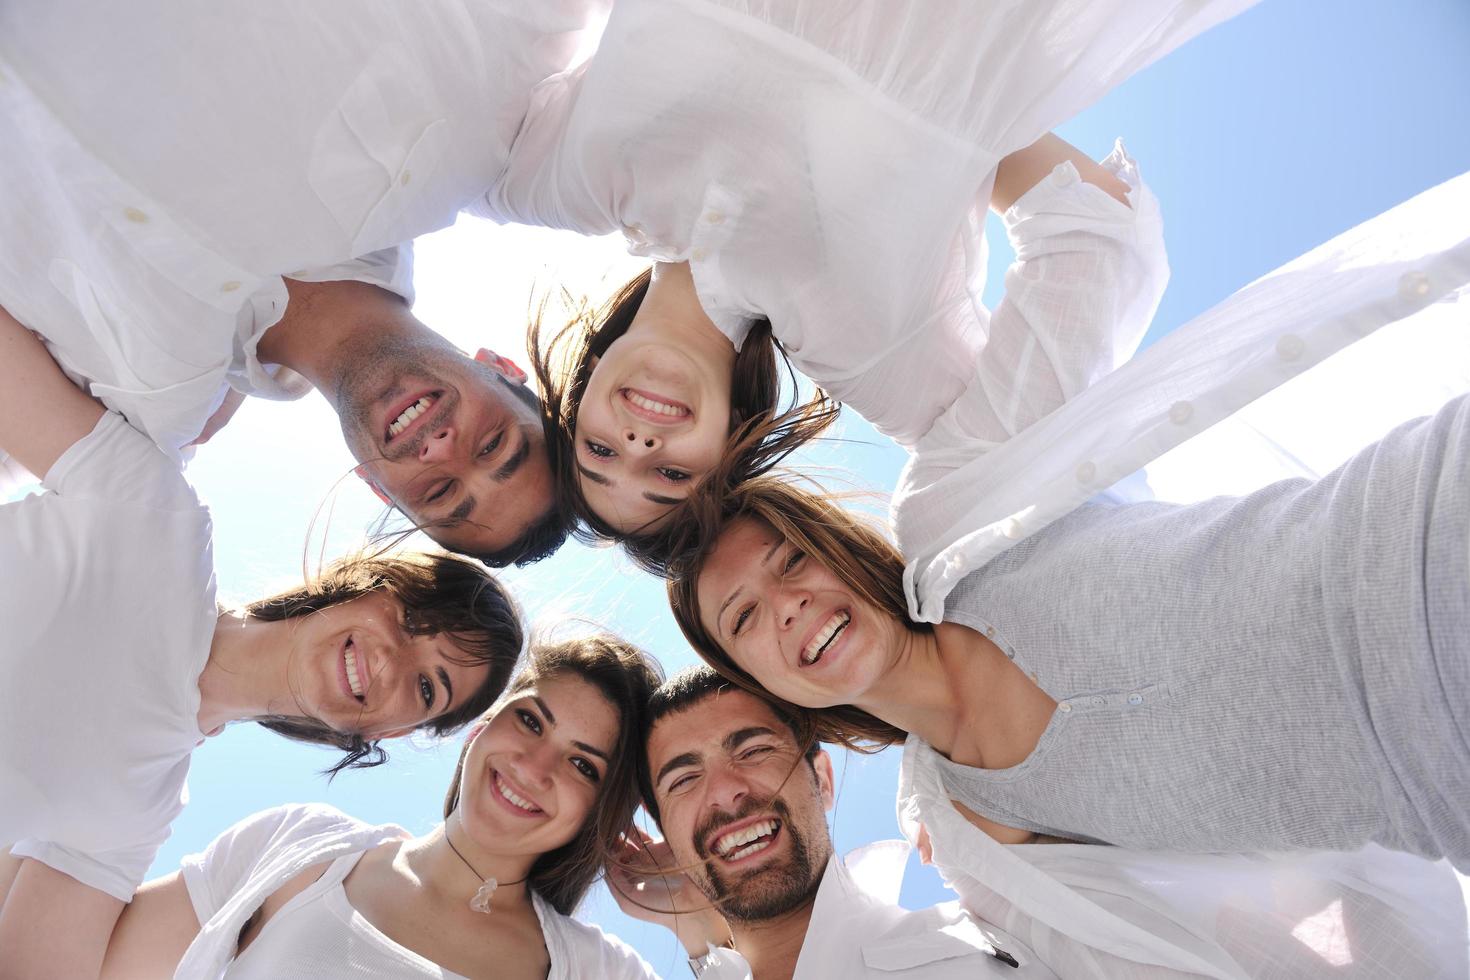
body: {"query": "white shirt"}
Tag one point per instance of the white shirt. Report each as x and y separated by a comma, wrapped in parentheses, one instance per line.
(1092, 911)
(318, 933)
(166, 164)
(964, 498)
(818, 162)
(108, 605)
(857, 929)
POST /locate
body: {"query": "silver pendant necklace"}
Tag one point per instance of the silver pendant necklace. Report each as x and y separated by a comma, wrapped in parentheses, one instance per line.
(481, 901)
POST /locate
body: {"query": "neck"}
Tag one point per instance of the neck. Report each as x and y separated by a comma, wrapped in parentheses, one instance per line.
(673, 303)
(931, 690)
(326, 320)
(773, 946)
(454, 878)
(247, 674)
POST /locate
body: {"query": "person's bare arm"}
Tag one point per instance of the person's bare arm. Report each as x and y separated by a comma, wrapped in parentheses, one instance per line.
(53, 926)
(153, 932)
(1026, 168)
(42, 414)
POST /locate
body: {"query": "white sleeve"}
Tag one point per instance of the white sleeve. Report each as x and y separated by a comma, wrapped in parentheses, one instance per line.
(595, 953)
(231, 859)
(1087, 279)
(118, 465)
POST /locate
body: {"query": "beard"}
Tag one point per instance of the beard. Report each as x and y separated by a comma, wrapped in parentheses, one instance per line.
(774, 888)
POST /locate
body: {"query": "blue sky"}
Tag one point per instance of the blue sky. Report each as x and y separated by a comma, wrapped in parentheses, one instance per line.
(1267, 136)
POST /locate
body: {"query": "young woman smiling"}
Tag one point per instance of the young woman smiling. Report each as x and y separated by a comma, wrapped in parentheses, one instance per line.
(542, 794)
(107, 593)
(818, 177)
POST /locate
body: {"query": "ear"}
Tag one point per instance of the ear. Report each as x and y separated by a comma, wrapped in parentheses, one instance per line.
(362, 474)
(822, 766)
(475, 730)
(508, 368)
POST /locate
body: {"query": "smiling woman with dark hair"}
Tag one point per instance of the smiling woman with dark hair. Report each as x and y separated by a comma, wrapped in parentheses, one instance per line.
(539, 802)
(107, 593)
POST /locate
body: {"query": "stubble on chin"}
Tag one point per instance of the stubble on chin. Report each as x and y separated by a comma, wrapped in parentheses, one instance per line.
(772, 889)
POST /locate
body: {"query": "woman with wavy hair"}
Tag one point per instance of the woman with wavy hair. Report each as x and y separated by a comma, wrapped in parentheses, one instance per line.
(806, 177)
(118, 660)
(541, 798)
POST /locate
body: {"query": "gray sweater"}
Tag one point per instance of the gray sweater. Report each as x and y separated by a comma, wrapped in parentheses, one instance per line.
(1289, 669)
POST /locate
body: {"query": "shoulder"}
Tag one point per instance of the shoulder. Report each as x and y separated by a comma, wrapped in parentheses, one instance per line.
(940, 941)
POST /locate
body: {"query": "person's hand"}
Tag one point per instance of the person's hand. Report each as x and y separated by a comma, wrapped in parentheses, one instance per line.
(648, 885)
(233, 401)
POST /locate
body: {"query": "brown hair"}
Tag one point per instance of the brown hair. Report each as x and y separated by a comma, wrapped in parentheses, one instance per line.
(564, 364)
(854, 550)
(625, 676)
(440, 593)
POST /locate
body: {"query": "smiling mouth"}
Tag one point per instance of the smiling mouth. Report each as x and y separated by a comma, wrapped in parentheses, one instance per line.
(653, 408)
(503, 790)
(409, 414)
(825, 637)
(349, 667)
(747, 841)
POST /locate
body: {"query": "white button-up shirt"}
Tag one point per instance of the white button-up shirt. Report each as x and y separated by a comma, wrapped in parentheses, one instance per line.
(966, 496)
(857, 929)
(818, 162)
(165, 165)
(1112, 913)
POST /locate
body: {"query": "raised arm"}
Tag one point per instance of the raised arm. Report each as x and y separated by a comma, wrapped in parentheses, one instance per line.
(153, 932)
(1026, 168)
(52, 925)
(41, 412)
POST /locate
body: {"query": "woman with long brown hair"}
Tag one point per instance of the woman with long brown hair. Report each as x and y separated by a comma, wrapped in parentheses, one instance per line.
(541, 798)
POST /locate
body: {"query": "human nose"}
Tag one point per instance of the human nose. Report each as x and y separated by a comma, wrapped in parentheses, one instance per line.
(439, 446)
(788, 604)
(725, 787)
(640, 443)
(533, 768)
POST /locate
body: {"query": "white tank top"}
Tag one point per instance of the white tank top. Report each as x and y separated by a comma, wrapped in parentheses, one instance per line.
(319, 934)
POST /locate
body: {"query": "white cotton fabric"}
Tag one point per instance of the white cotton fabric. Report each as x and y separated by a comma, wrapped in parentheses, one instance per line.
(821, 163)
(318, 933)
(1093, 911)
(857, 929)
(965, 497)
(108, 604)
(166, 164)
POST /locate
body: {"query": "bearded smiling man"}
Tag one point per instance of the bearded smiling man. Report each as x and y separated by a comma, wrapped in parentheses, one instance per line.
(742, 808)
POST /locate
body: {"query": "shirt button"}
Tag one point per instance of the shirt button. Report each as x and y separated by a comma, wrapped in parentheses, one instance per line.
(956, 563)
(1181, 412)
(699, 255)
(229, 287)
(1135, 699)
(989, 632)
(135, 216)
(1087, 472)
(1414, 285)
(405, 177)
(1289, 347)
(1064, 707)
(1013, 529)
(714, 217)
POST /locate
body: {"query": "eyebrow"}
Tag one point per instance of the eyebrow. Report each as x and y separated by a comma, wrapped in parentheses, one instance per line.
(677, 762)
(509, 467)
(591, 749)
(648, 495)
(448, 687)
(734, 740)
(733, 595)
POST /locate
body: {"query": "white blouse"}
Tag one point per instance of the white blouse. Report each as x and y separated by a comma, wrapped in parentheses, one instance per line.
(318, 933)
(1093, 911)
(971, 491)
(819, 162)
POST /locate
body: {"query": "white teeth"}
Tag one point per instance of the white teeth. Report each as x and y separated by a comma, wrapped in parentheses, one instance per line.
(352, 679)
(725, 845)
(510, 794)
(662, 408)
(409, 414)
(824, 637)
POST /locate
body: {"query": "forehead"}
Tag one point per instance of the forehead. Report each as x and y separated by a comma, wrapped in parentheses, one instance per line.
(581, 710)
(739, 551)
(702, 727)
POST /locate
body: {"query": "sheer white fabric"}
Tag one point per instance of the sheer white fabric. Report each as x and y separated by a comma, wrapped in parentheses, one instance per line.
(816, 162)
(963, 498)
(1097, 911)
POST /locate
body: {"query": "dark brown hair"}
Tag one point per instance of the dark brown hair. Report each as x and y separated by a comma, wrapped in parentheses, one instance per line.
(854, 550)
(625, 676)
(440, 593)
(564, 364)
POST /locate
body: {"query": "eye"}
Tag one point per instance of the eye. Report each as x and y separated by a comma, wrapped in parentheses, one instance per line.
(493, 444)
(599, 450)
(426, 691)
(683, 782)
(440, 492)
(740, 619)
(529, 720)
(756, 753)
(793, 559)
(673, 476)
(586, 768)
